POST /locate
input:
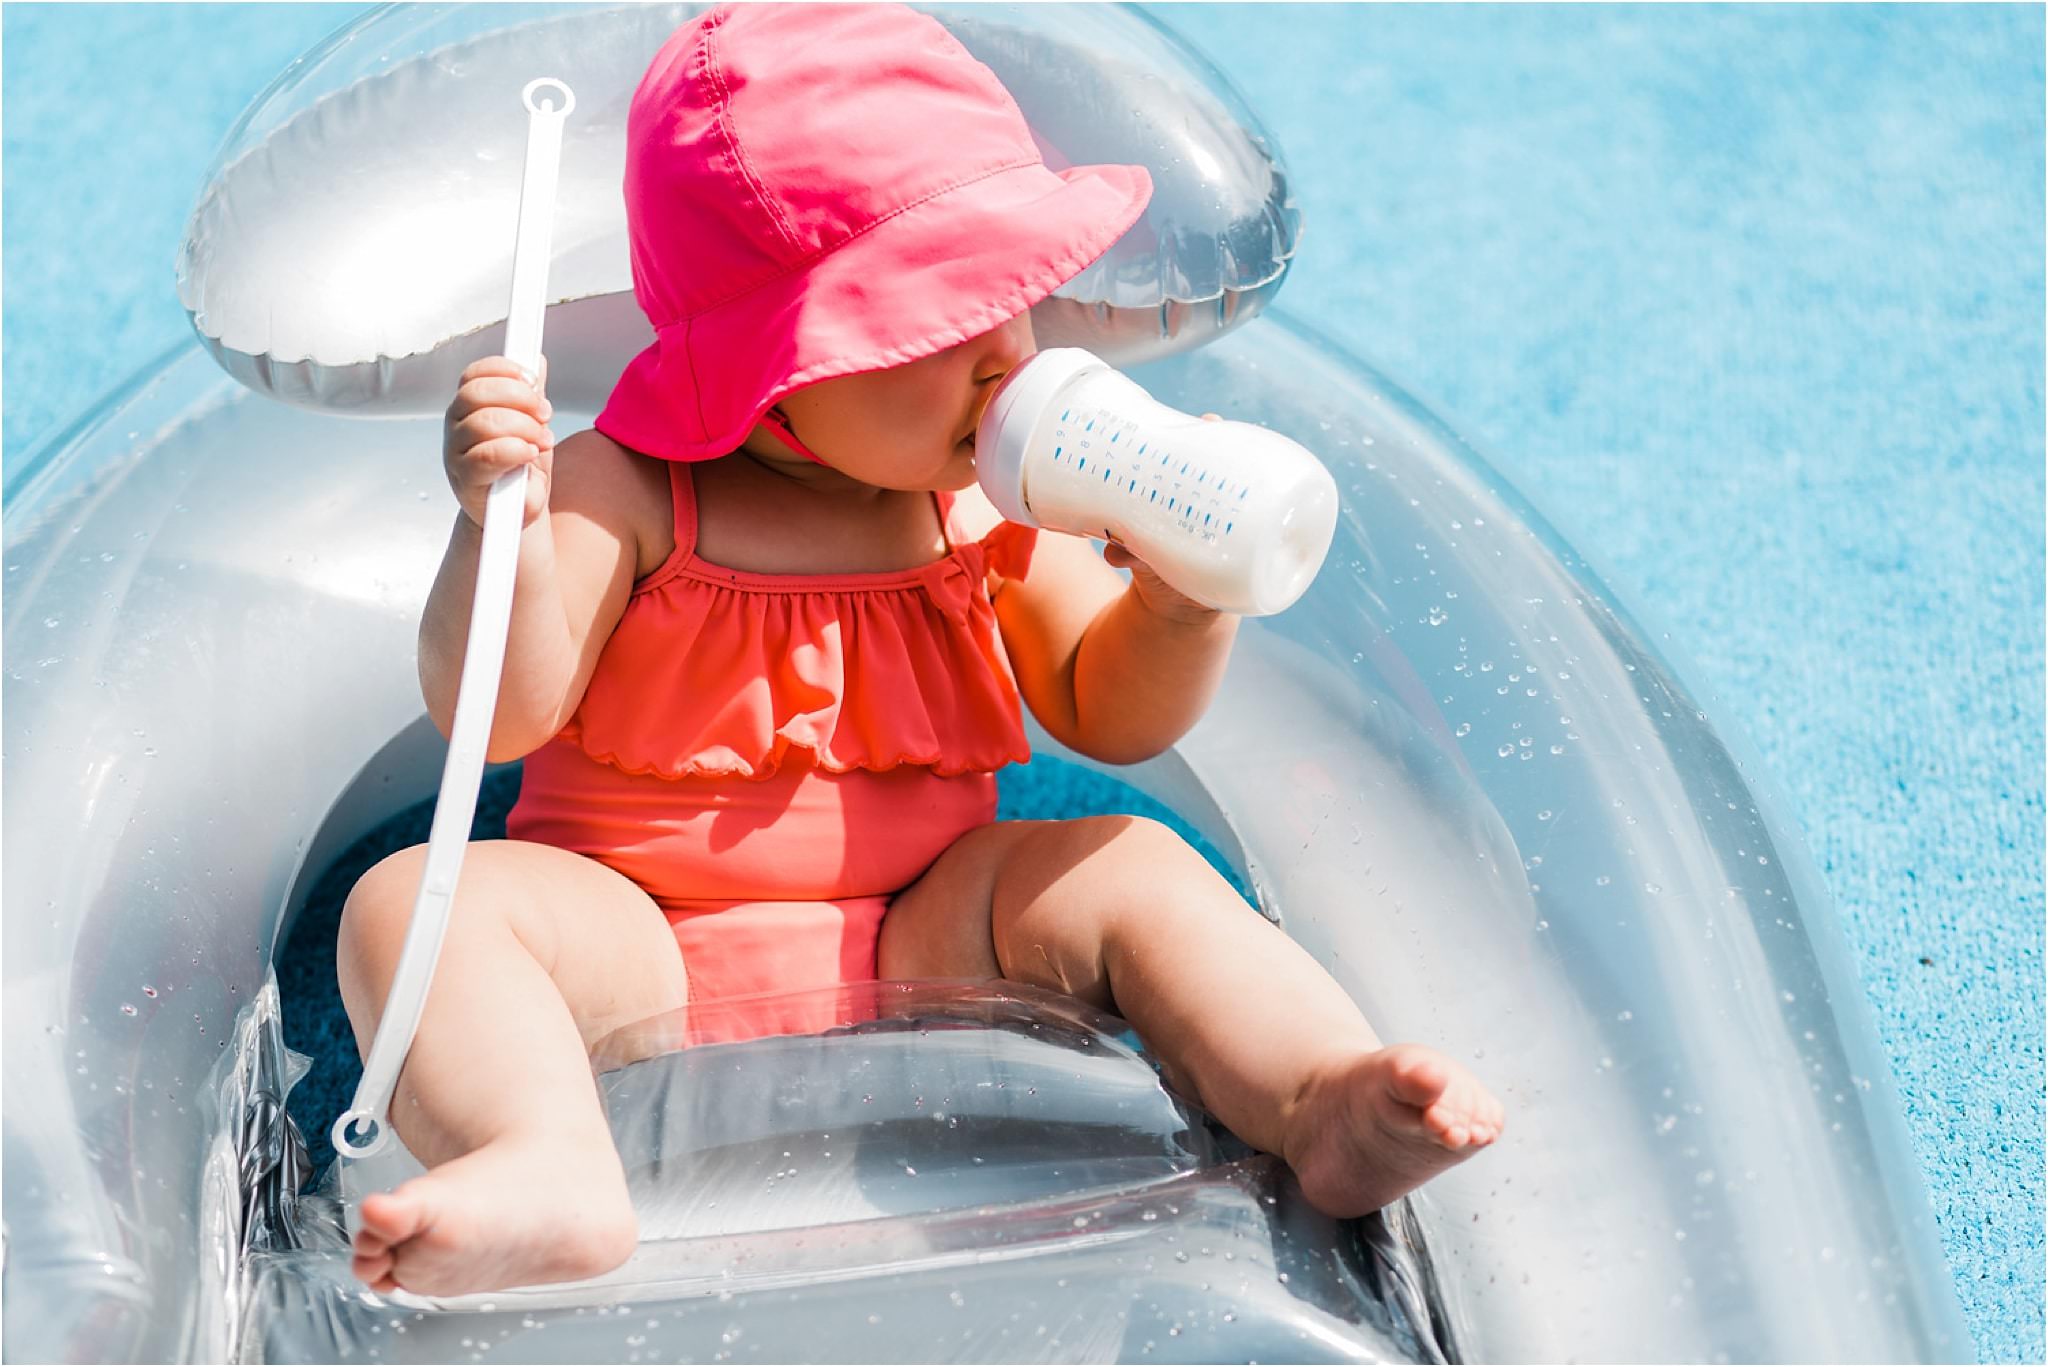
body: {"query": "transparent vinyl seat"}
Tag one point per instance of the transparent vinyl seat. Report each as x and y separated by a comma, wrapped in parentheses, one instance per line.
(953, 1171)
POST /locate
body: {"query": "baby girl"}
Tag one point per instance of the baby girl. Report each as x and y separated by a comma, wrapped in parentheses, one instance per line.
(770, 645)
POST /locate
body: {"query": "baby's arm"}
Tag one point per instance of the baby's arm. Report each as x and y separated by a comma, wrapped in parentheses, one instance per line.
(1116, 671)
(577, 554)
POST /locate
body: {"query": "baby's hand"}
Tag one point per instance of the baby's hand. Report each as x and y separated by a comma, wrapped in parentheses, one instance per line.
(497, 422)
(1156, 594)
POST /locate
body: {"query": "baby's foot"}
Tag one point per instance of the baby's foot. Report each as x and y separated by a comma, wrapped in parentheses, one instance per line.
(512, 1213)
(1382, 1124)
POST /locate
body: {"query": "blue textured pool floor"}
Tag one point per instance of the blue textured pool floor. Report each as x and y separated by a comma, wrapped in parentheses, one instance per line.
(1748, 300)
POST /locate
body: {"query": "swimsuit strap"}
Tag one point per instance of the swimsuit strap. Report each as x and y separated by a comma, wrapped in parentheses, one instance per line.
(682, 491)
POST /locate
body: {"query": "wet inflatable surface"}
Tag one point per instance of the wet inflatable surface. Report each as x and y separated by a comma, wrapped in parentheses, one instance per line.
(1708, 1159)
(958, 1173)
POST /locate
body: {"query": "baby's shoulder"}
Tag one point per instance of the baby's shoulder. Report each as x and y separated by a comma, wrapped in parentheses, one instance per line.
(622, 492)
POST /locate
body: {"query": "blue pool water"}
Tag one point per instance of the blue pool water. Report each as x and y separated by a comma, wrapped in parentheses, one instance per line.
(1749, 300)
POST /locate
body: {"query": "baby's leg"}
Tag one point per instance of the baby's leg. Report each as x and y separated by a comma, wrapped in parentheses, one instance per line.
(546, 952)
(1122, 913)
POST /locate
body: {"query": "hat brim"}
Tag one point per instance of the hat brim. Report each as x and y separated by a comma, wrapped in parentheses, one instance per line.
(932, 275)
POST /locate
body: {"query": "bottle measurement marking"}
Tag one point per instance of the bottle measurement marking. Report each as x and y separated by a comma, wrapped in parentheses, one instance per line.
(1183, 503)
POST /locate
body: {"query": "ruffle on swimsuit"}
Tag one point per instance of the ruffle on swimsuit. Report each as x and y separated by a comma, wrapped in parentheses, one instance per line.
(717, 671)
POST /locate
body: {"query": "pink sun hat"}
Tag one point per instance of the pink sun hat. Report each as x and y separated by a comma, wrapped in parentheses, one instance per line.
(820, 190)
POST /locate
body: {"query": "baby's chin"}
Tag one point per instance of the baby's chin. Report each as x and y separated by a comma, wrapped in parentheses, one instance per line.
(958, 473)
(952, 474)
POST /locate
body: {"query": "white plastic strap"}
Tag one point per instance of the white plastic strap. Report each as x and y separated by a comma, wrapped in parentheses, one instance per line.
(365, 1127)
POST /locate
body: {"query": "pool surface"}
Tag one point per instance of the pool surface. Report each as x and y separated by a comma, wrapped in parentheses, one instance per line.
(1749, 300)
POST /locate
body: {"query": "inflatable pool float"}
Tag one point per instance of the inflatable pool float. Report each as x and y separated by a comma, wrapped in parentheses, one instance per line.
(1459, 772)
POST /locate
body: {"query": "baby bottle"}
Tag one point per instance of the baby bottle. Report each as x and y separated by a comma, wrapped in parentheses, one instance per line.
(1234, 516)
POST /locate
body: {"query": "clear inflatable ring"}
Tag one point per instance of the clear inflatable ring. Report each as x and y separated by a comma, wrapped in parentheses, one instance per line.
(1461, 772)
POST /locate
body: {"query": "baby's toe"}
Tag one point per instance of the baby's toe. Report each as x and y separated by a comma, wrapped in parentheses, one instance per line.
(396, 1216)
(1416, 1075)
(387, 1218)
(1484, 1114)
(1447, 1125)
(369, 1268)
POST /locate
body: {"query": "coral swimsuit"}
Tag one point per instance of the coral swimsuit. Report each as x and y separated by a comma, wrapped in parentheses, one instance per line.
(772, 757)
